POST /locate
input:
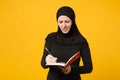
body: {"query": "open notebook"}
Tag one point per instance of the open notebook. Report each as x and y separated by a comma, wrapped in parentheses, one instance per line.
(63, 64)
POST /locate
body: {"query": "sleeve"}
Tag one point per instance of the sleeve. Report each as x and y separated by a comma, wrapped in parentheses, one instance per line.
(45, 53)
(87, 63)
(49, 39)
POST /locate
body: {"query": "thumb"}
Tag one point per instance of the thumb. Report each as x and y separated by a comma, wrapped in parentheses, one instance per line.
(55, 58)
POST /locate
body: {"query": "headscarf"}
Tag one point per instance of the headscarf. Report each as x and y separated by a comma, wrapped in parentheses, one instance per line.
(67, 11)
(73, 37)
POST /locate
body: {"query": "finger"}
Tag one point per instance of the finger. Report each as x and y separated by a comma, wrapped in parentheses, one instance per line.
(55, 58)
(50, 56)
(51, 60)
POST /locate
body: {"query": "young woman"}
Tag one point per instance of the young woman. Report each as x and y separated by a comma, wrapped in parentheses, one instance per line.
(62, 45)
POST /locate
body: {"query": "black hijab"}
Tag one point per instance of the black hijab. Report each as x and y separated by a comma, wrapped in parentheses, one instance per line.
(67, 11)
(73, 37)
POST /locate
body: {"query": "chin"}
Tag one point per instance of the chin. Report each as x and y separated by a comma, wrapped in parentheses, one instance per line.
(65, 32)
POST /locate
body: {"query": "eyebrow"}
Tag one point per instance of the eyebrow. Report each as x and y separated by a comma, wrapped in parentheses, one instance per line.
(65, 20)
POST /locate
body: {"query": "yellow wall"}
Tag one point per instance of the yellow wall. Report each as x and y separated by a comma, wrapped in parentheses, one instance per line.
(24, 25)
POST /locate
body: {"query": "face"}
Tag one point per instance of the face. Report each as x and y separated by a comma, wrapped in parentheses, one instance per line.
(64, 23)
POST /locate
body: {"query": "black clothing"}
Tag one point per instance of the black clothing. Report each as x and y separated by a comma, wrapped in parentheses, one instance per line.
(67, 11)
(63, 52)
(63, 46)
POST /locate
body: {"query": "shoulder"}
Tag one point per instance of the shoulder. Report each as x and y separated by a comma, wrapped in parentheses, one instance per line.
(80, 39)
(51, 36)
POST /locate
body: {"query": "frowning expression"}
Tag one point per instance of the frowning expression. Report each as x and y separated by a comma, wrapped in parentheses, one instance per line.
(64, 23)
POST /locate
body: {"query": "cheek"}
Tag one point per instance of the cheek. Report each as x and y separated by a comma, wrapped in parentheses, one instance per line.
(69, 26)
(60, 26)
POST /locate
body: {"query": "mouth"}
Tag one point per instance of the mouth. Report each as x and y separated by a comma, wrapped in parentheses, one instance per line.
(65, 30)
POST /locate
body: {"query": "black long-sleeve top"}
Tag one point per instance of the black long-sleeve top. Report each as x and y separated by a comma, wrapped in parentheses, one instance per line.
(63, 52)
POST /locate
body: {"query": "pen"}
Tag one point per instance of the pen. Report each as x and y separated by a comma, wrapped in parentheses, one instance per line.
(47, 50)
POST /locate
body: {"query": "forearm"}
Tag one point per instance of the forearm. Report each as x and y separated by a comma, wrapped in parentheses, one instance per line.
(81, 69)
(87, 63)
(47, 58)
(43, 63)
(45, 53)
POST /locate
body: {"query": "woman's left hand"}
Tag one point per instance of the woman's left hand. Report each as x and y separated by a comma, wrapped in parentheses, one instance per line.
(66, 70)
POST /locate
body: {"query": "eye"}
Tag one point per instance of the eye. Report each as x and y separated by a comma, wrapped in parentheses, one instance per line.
(67, 21)
(60, 21)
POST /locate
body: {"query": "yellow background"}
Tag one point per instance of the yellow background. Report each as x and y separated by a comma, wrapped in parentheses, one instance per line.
(24, 24)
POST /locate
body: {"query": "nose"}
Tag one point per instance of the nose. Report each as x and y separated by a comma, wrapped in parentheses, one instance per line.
(63, 25)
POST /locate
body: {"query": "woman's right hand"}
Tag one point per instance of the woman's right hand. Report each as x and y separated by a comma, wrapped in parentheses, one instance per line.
(50, 59)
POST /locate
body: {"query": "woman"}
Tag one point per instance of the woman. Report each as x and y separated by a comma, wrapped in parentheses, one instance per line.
(62, 45)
